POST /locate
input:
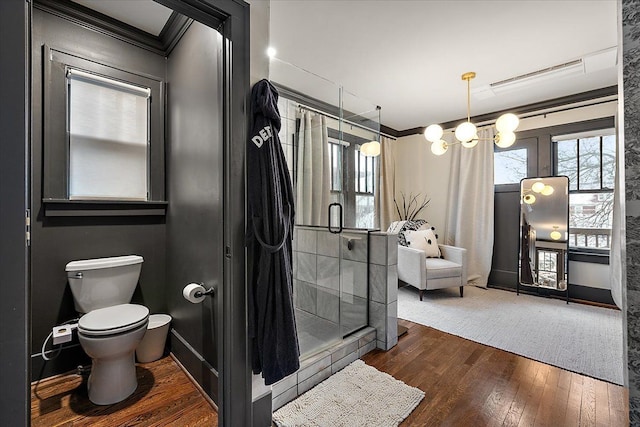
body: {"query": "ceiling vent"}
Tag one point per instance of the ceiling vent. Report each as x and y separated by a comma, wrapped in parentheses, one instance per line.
(590, 63)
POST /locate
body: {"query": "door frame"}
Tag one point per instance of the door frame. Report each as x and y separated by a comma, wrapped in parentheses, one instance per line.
(231, 18)
(15, 86)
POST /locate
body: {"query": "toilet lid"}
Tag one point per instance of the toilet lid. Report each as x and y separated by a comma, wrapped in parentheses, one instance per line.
(113, 320)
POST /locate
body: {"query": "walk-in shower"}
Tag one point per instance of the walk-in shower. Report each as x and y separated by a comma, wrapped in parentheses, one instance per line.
(323, 130)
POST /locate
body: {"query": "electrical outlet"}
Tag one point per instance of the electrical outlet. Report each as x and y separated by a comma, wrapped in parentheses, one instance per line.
(62, 334)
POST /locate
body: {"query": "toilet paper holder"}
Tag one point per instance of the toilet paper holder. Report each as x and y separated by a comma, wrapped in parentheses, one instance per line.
(209, 291)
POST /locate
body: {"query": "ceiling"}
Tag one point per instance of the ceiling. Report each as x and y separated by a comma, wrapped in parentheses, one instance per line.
(407, 56)
(146, 15)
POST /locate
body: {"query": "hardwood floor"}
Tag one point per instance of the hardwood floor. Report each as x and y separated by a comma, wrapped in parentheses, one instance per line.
(466, 384)
(470, 384)
(165, 397)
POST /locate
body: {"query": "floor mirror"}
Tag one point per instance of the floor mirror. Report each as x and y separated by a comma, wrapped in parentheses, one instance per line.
(544, 231)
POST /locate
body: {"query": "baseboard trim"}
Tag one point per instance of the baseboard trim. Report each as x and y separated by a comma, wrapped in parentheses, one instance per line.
(572, 289)
(195, 364)
(195, 383)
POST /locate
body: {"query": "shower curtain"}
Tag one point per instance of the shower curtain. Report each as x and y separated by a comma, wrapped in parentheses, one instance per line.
(387, 184)
(313, 169)
(470, 207)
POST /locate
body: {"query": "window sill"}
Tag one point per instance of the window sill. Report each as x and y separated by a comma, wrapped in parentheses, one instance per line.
(70, 208)
(595, 256)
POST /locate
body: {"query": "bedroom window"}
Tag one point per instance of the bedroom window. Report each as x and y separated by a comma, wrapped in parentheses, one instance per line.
(509, 166)
(589, 160)
(365, 173)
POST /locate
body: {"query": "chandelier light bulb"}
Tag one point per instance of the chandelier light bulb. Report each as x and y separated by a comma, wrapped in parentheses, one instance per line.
(472, 143)
(555, 234)
(538, 187)
(465, 131)
(529, 199)
(433, 133)
(507, 123)
(439, 147)
(373, 148)
(547, 190)
(505, 139)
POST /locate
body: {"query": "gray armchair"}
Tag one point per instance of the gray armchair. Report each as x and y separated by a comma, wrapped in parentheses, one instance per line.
(415, 269)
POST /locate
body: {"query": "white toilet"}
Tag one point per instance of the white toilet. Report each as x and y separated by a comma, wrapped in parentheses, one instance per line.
(110, 328)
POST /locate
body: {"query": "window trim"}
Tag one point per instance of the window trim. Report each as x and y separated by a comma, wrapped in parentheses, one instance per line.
(55, 191)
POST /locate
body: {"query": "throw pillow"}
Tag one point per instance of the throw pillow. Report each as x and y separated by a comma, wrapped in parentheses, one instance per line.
(425, 240)
(413, 225)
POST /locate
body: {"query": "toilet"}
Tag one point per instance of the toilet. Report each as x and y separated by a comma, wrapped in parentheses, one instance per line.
(109, 329)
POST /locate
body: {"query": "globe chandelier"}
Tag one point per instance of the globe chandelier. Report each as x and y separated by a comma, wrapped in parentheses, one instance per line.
(467, 133)
(538, 188)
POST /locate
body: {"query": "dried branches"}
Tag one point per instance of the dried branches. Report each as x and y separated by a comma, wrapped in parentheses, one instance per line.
(411, 207)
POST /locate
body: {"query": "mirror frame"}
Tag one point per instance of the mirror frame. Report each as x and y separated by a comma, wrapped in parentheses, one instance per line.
(526, 231)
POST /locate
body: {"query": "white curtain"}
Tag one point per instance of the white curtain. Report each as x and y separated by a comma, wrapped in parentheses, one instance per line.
(312, 175)
(387, 187)
(470, 205)
(618, 291)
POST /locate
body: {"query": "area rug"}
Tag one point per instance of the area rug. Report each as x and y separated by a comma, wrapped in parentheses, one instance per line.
(576, 337)
(358, 395)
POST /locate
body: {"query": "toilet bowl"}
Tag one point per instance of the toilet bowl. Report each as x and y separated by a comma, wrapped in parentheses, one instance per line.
(110, 337)
(111, 328)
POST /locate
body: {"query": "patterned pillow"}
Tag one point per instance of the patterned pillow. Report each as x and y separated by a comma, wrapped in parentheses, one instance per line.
(414, 225)
(425, 240)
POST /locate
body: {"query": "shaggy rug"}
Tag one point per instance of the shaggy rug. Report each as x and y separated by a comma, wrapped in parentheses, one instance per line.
(576, 337)
(358, 395)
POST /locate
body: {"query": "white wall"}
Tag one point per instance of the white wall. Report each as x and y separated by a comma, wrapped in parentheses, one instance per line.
(419, 171)
(259, 39)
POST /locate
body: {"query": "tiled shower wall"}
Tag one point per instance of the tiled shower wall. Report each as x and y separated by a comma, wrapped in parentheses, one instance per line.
(317, 268)
(631, 96)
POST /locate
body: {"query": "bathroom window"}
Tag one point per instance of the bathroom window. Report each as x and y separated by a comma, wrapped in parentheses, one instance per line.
(103, 139)
(108, 123)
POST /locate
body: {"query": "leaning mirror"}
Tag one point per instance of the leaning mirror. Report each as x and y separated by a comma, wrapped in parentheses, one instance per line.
(544, 231)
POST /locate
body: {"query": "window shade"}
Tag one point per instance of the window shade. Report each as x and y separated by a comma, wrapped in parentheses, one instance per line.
(108, 123)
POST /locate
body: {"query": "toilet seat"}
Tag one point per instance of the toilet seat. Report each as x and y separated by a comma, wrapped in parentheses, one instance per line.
(113, 320)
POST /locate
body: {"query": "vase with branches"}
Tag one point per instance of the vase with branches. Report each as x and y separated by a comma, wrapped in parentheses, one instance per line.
(411, 206)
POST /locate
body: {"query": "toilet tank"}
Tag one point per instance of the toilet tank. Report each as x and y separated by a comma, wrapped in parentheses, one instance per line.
(103, 282)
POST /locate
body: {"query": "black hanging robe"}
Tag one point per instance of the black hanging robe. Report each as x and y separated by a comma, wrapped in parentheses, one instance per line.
(272, 324)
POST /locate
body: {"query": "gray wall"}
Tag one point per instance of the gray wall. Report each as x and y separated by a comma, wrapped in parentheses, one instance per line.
(631, 97)
(14, 349)
(56, 241)
(195, 180)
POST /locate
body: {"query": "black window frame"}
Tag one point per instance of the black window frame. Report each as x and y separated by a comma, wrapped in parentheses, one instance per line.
(55, 190)
(585, 254)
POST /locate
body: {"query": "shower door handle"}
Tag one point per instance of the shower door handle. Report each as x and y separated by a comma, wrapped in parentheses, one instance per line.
(339, 229)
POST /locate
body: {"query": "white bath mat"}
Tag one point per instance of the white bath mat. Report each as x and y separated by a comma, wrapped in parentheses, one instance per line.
(358, 395)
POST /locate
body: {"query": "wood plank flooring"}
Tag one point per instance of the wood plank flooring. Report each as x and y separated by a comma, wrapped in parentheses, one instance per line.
(165, 397)
(470, 384)
(466, 384)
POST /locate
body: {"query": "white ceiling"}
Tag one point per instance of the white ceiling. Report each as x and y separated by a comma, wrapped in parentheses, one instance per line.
(408, 56)
(146, 15)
